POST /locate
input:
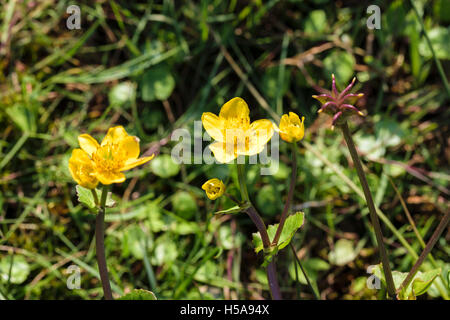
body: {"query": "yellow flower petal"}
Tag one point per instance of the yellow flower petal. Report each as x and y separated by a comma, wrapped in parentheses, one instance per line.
(114, 135)
(82, 169)
(294, 118)
(109, 177)
(88, 144)
(128, 148)
(213, 125)
(237, 111)
(131, 163)
(262, 130)
(222, 153)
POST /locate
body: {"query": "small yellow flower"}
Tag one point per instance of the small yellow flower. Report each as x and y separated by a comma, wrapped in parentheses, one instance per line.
(233, 132)
(105, 162)
(291, 128)
(214, 188)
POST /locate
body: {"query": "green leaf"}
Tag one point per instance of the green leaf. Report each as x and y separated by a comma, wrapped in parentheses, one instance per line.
(440, 40)
(139, 294)
(270, 83)
(135, 242)
(343, 252)
(232, 210)
(316, 22)
(85, 197)
(312, 267)
(292, 224)
(423, 281)
(20, 269)
(226, 238)
(122, 93)
(341, 63)
(163, 166)
(157, 83)
(419, 285)
(267, 199)
(165, 252)
(109, 200)
(184, 204)
(442, 10)
(24, 117)
(388, 132)
(395, 17)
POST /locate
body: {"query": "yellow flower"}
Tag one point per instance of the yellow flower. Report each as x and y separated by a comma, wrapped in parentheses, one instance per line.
(82, 169)
(214, 188)
(233, 132)
(105, 162)
(291, 128)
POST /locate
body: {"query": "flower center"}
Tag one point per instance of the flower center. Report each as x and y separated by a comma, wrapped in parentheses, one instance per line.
(214, 189)
(106, 158)
(237, 123)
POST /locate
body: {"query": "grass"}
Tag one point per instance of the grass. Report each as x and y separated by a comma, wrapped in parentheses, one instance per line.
(157, 66)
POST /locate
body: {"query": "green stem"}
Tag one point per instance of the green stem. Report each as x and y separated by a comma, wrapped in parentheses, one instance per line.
(360, 193)
(232, 198)
(14, 150)
(304, 272)
(94, 194)
(259, 223)
(287, 205)
(100, 246)
(380, 213)
(242, 184)
(372, 210)
(434, 238)
(420, 239)
(436, 60)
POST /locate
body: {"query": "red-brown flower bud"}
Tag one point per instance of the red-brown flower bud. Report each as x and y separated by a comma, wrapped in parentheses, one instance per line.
(339, 104)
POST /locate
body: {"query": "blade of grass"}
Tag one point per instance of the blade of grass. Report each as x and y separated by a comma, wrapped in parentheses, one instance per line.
(436, 60)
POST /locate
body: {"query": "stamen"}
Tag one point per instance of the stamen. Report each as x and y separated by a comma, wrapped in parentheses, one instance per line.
(350, 107)
(336, 117)
(347, 89)
(333, 85)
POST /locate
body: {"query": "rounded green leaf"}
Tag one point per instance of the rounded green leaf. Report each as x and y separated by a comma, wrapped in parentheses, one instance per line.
(157, 83)
(440, 40)
(291, 225)
(122, 93)
(267, 201)
(165, 252)
(20, 269)
(163, 166)
(139, 294)
(184, 204)
(341, 63)
(343, 252)
(316, 22)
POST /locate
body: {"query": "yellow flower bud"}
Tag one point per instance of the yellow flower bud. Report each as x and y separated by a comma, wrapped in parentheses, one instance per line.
(214, 188)
(291, 128)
